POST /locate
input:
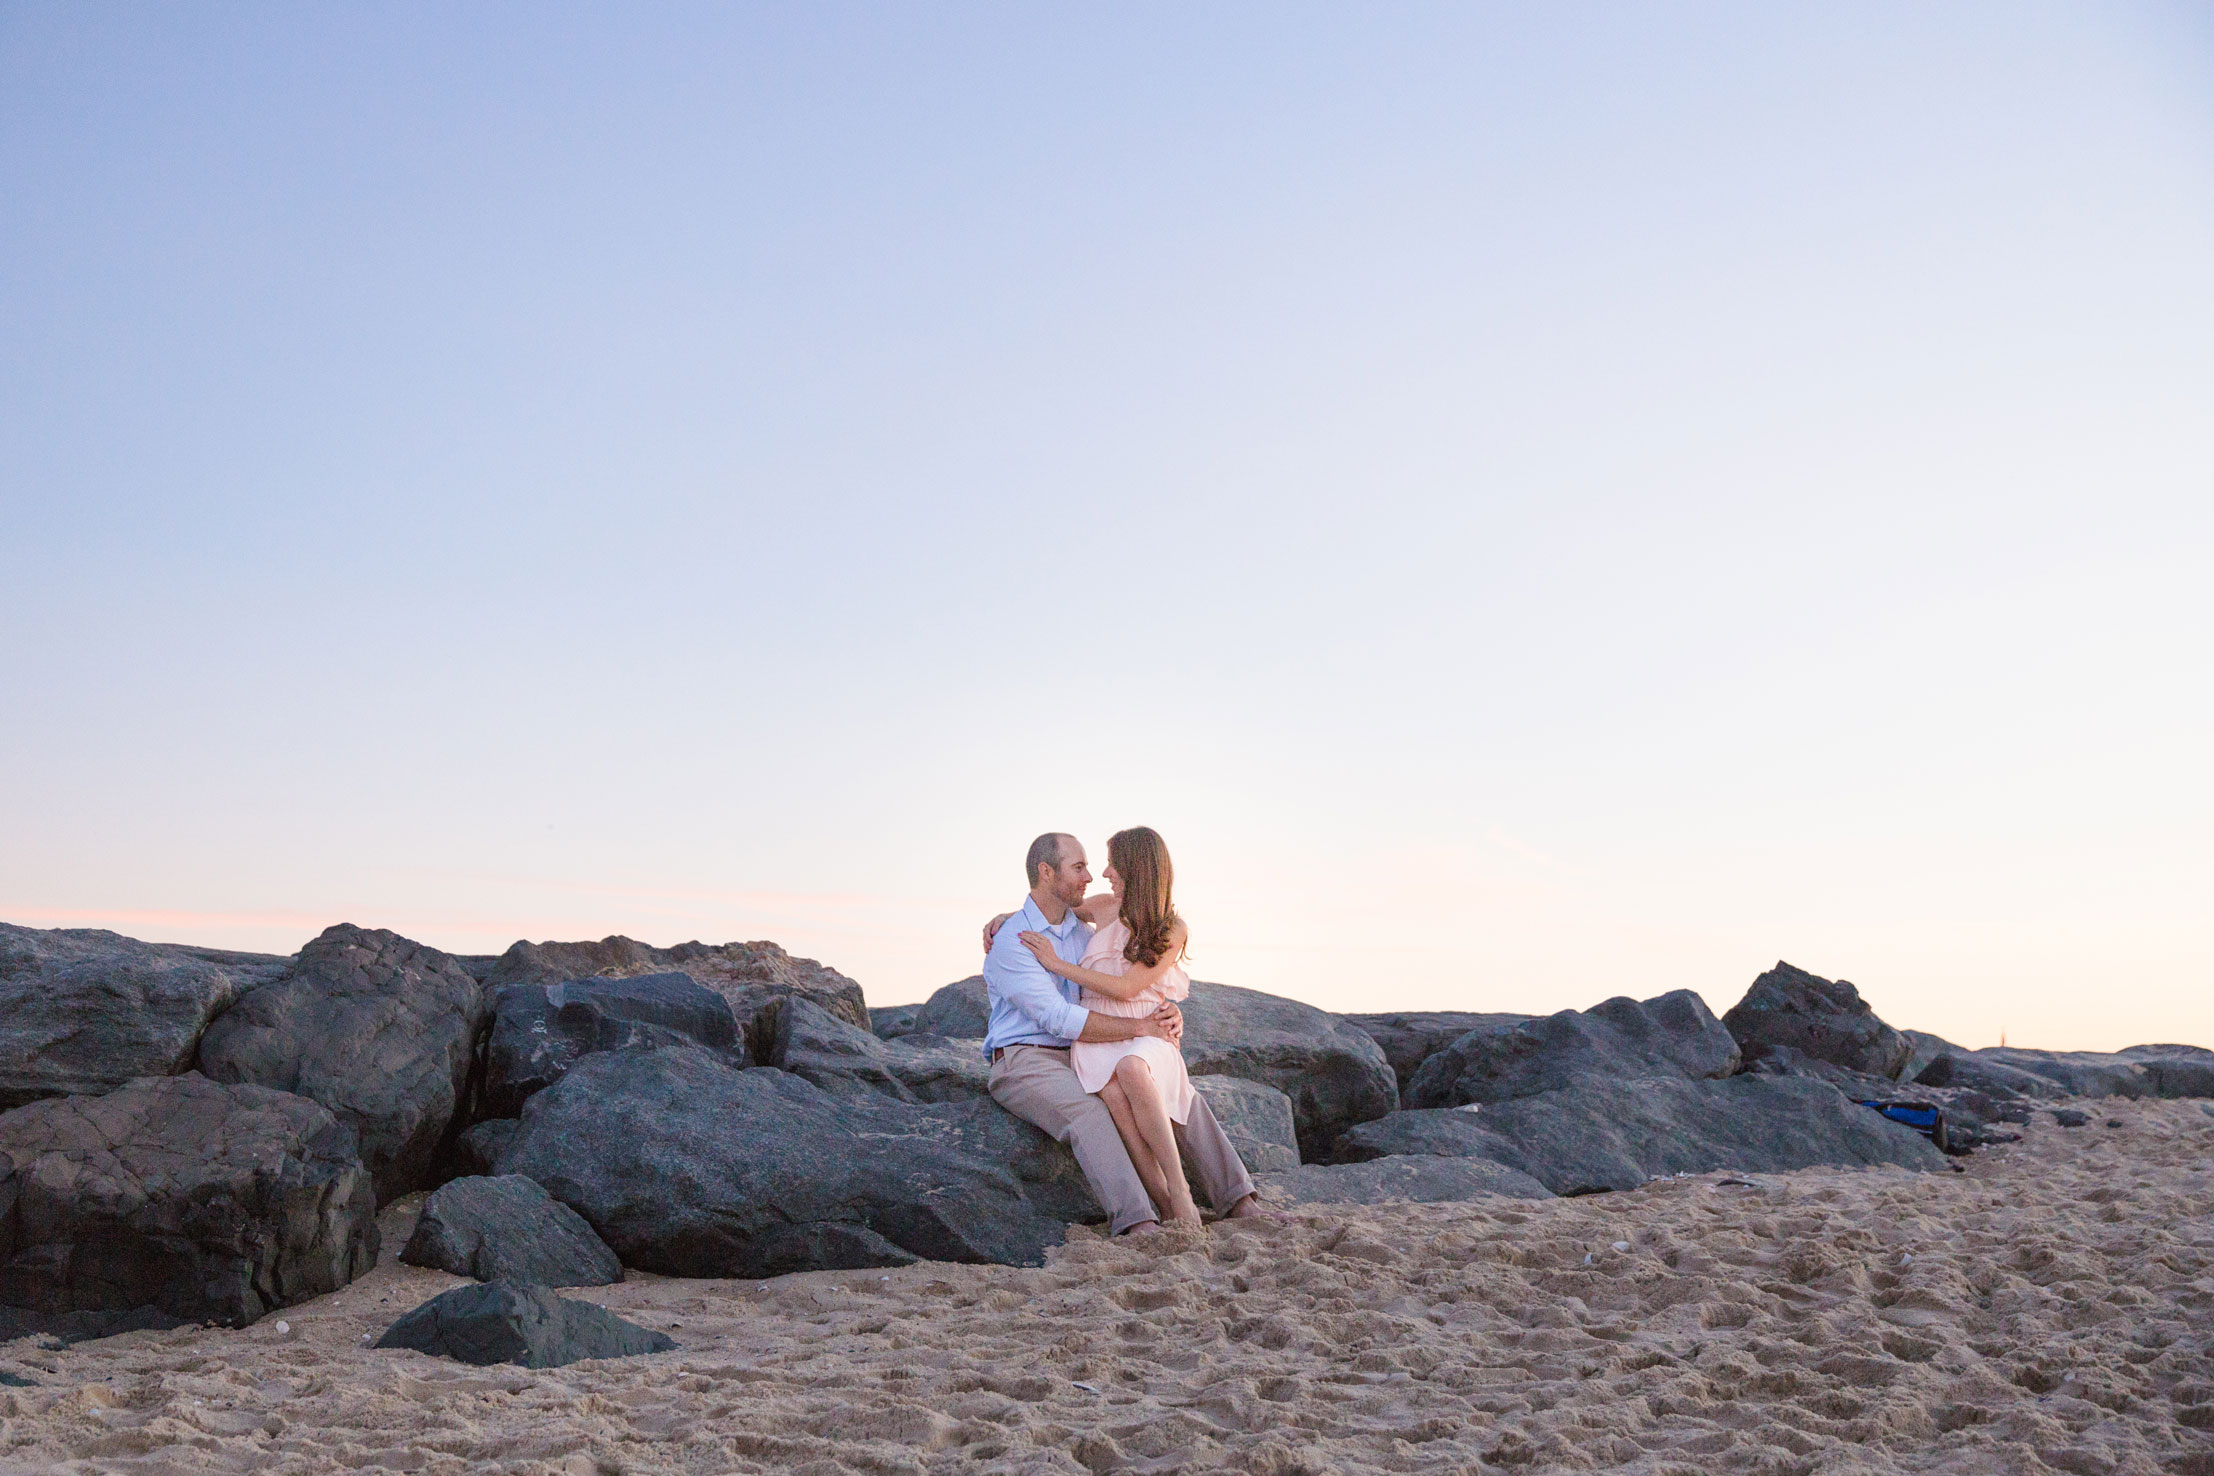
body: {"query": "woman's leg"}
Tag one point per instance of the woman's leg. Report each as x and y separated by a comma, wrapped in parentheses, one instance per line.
(1141, 1157)
(1160, 1135)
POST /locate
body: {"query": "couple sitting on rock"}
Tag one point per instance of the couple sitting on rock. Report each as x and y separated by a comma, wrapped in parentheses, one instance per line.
(1085, 1028)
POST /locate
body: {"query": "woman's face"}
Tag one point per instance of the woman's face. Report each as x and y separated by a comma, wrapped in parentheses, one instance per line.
(1114, 881)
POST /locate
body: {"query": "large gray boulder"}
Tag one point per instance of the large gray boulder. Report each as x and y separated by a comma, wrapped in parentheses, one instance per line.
(211, 1203)
(1411, 1037)
(507, 1228)
(811, 1043)
(2100, 1074)
(540, 1030)
(84, 1011)
(960, 1010)
(1256, 1118)
(1824, 1018)
(2175, 1070)
(1972, 1071)
(1599, 1134)
(378, 1028)
(506, 1322)
(1418, 1178)
(751, 976)
(686, 1166)
(1674, 1034)
(2170, 1052)
(1333, 1072)
(2140, 1071)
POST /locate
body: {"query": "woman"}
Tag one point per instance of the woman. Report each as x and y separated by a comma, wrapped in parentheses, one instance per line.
(1130, 969)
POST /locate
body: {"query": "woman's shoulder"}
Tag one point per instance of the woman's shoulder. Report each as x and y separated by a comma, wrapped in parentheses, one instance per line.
(1104, 951)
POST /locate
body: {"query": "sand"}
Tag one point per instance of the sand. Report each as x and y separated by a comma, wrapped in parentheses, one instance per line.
(2052, 1308)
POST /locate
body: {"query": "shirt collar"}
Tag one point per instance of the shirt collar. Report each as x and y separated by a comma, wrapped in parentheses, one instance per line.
(1059, 929)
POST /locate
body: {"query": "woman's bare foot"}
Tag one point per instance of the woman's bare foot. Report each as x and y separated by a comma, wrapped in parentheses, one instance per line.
(1251, 1208)
(1142, 1229)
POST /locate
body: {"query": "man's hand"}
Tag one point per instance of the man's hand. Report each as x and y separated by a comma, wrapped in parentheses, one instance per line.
(991, 929)
(1170, 1021)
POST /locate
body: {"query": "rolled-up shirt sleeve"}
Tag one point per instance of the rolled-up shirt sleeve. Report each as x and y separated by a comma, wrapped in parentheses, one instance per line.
(1013, 973)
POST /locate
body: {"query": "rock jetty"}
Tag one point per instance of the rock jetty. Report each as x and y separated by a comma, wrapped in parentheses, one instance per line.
(196, 1135)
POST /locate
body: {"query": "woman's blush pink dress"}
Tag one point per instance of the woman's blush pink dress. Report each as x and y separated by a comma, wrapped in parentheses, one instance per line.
(1094, 1061)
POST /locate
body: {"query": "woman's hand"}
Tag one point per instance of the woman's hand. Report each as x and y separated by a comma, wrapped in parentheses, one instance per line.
(1042, 946)
(991, 929)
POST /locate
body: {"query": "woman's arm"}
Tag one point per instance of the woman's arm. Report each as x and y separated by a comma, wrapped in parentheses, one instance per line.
(1098, 911)
(1115, 986)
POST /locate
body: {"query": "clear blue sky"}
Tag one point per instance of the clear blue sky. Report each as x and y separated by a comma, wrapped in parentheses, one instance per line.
(1534, 502)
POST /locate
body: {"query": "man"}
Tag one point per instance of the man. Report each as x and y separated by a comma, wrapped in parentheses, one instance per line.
(1034, 1020)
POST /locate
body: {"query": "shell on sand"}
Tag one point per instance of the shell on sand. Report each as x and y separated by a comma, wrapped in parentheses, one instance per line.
(2050, 1309)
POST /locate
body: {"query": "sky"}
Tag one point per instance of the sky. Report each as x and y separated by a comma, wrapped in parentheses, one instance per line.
(1534, 502)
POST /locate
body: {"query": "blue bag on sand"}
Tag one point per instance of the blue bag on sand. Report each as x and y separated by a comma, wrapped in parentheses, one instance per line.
(1923, 1117)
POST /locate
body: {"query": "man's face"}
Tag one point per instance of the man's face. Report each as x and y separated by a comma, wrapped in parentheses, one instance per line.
(1072, 878)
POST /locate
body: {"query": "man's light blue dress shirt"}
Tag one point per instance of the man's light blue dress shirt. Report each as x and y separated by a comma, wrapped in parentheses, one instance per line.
(1031, 1006)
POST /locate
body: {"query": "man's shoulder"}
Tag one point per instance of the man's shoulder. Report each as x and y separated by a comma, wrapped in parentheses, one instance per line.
(1007, 942)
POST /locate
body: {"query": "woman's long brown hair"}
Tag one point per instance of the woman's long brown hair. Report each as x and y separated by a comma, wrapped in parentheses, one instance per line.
(1141, 859)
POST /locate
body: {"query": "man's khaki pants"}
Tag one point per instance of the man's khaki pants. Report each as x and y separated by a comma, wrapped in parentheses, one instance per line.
(1037, 1084)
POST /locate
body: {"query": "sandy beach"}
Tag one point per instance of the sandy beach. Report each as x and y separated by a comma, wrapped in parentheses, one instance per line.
(2051, 1308)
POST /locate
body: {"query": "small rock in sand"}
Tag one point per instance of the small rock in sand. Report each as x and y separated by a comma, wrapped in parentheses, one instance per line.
(502, 1322)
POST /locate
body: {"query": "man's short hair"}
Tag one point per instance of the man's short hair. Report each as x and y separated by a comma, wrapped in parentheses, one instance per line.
(1044, 851)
